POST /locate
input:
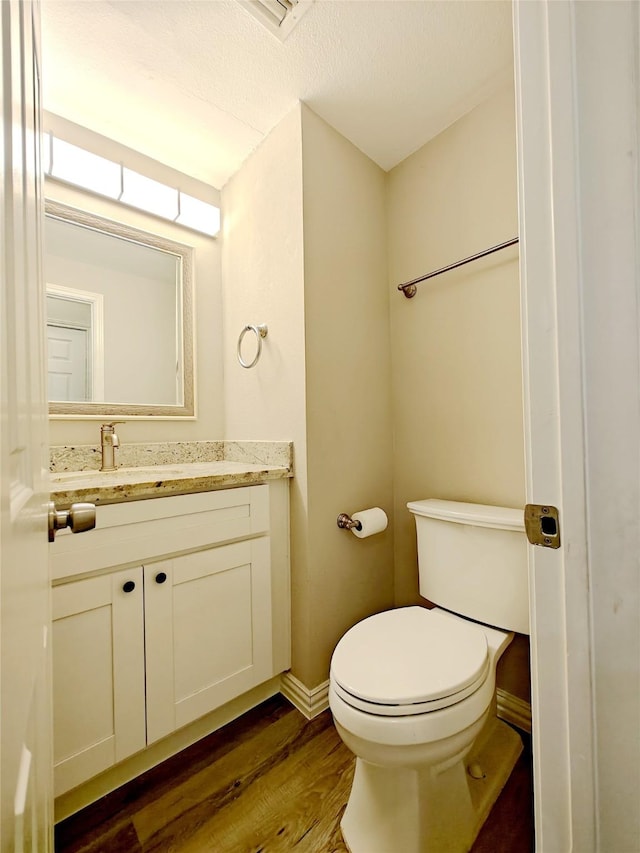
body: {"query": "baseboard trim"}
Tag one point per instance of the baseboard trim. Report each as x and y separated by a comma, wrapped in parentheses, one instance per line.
(513, 710)
(310, 703)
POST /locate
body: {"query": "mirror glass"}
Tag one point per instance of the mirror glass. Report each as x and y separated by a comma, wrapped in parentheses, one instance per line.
(119, 324)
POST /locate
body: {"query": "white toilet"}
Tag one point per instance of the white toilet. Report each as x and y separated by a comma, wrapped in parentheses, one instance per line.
(412, 690)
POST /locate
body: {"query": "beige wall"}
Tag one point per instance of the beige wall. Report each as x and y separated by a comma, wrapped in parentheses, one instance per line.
(349, 430)
(209, 423)
(457, 390)
(263, 282)
(323, 379)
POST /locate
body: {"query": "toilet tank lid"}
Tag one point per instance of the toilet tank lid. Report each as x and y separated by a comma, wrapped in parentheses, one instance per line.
(481, 515)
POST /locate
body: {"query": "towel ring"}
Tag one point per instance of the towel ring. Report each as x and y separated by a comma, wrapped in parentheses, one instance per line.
(260, 332)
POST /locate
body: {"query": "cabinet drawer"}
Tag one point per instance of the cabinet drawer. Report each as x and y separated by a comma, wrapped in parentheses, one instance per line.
(140, 531)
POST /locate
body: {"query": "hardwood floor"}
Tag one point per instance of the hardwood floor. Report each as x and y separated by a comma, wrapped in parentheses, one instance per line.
(269, 782)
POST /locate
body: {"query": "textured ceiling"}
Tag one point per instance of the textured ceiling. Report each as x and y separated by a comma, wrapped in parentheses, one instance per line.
(197, 84)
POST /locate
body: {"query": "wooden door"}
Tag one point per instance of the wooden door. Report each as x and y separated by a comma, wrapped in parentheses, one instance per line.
(25, 706)
(98, 675)
(208, 631)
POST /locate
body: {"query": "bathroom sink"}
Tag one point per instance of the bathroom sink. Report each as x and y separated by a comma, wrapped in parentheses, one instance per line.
(80, 476)
(120, 475)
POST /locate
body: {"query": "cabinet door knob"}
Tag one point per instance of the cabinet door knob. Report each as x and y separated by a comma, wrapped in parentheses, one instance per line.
(161, 577)
(129, 586)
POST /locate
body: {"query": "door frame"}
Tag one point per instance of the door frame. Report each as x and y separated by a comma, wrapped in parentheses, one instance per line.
(96, 331)
(577, 128)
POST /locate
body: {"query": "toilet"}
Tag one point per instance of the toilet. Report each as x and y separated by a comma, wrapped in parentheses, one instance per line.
(412, 690)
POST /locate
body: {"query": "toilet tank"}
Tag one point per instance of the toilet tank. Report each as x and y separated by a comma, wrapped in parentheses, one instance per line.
(472, 560)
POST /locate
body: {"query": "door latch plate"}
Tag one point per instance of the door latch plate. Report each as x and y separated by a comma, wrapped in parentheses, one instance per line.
(542, 525)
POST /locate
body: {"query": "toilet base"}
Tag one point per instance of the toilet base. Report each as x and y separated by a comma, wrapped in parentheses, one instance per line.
(435, 809)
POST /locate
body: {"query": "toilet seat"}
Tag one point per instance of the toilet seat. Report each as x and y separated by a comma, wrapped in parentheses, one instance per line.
(409, 661)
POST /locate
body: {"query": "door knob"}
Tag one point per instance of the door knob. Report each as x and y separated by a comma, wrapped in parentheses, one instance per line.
(78, 518)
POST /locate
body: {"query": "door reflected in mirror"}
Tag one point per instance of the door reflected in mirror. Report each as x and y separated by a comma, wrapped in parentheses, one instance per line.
(75, 344)
(119, 325)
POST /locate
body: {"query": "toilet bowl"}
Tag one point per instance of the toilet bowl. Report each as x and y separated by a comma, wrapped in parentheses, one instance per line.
(412, 692)
(411, 719)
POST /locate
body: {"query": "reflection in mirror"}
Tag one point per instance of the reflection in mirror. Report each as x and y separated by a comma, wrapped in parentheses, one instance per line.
(75, 344)
(119, 324)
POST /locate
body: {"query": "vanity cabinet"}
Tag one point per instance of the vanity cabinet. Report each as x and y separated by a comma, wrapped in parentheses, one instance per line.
(161, 615)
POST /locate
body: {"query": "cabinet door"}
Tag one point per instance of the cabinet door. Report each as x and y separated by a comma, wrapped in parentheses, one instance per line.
(98, 675)
(207, 631)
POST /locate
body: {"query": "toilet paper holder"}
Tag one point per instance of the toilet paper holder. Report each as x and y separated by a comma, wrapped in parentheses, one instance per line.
(347, 523)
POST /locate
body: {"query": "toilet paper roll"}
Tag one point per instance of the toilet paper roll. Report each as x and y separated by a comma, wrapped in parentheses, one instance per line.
(373, 520)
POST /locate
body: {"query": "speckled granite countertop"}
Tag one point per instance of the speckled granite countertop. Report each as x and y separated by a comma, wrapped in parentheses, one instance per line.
(251, 463)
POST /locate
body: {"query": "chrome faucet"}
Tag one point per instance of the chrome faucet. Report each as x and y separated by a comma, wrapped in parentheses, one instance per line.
(108, 443)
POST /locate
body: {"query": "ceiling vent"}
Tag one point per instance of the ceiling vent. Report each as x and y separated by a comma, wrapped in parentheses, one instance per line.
(278, 16)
